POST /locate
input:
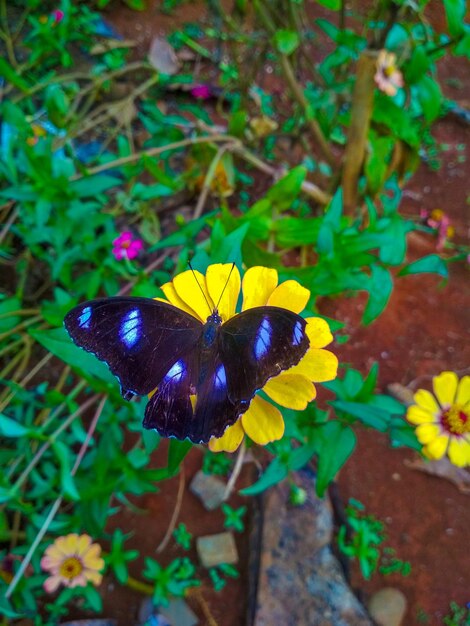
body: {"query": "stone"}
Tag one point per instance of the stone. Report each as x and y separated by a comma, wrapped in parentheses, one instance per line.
(300, 581)
(216, 549)
(388, 607)
(178, 613)
(209, 489)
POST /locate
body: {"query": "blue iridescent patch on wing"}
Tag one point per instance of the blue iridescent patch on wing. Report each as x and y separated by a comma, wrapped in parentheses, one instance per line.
(176, 372)
(84, 318)
(130, 329)
(263, 339)
(220, 378)
(298, 334)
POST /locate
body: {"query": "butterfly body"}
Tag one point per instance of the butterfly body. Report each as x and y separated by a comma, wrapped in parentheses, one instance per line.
(203, 376)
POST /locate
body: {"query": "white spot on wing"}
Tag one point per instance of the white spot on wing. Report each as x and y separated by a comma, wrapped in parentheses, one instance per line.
(263, 338)
(84, 318)
(175, 373)
(130, 330)
(220, 379)
(298, 334)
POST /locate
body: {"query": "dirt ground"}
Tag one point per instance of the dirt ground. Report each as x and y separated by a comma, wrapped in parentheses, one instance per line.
(424, 330)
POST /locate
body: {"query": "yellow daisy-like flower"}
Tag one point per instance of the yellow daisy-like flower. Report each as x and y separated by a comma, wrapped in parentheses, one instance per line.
(72, 561)
(388, 77)
(443, 420)
(293, 388)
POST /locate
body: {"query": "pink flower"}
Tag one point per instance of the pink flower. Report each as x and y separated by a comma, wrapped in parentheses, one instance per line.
(57, 15)
(388, 77)
(201, 92)
(126, 247)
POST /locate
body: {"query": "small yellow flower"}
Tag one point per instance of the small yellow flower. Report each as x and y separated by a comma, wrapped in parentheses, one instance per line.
(72, 561)
(443, 420)
(388, 77)
(293, 388)
(263, 126)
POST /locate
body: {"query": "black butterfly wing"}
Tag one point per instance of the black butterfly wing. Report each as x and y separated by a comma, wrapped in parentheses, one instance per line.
(140, 339)
(258, 344)
(192, 400)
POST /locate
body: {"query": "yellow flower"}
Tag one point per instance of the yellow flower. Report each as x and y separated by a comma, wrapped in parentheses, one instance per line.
(443, 419)
(388, 77)
(293, 388)
(72, 561)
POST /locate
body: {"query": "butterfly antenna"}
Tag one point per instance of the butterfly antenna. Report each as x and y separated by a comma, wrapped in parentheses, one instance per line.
(228, 278)
(199, 285)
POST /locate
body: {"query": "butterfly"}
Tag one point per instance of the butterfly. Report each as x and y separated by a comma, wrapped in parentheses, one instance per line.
(205, 375)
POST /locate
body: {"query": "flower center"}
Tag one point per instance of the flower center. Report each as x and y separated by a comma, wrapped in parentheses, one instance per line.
(71, 567)
(456, 420)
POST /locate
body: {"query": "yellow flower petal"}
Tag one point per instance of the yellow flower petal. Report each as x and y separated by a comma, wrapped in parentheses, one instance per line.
(54, 554)
(427, 433)
(458, 452)
(317, 365)
(318, 332)
(230, 440)
(83, 543)
(94, 577)
(92, 557)
(290, 295)
(290, 390)
(445, 387)
(417, 415)
(175, 300)
(437, 448)
(262, 422)
(426, 401)
(68, 544)
(258, 284)
(216, 280)
(463, 391)
(190, 287)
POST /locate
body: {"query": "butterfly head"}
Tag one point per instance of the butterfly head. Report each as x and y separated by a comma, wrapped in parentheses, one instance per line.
(210, 328)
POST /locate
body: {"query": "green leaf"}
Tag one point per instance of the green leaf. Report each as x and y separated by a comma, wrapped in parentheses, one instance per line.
(57, 105)
(369, 385)
(11, 428)
(12, 76)
(8, 306)
(274, 473)
(287, 189)
(378, 160)
(455, 15)
(334, 444)
(184, 234)
(333, 5)
(59, 344)
(370, 416)
(92, 185)
(417, 66)
(432, 263)
(398, 120)
(430, 97)
(7, 610)
(392, 252)
(66, 479)
(176, 453)
(287, 41)
(380, 288)
(228, 248)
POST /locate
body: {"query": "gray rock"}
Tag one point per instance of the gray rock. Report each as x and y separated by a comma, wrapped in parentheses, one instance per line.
(216, 549)
(388, 607)
(178, 613)
(300, 581)
(209, 489)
